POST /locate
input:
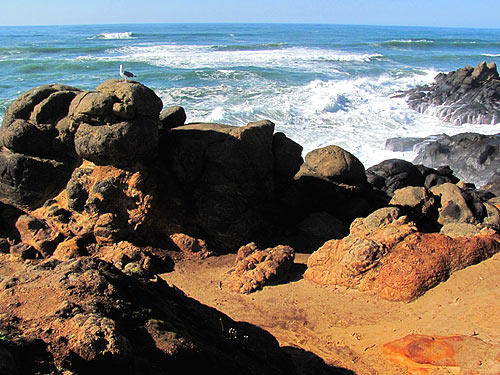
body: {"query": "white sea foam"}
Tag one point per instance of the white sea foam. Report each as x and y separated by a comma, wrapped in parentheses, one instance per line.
(356, 114)
(491, 54)
(200, 57)
(124, 35)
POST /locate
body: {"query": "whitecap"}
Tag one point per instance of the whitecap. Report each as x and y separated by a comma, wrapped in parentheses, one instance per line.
(124, 35)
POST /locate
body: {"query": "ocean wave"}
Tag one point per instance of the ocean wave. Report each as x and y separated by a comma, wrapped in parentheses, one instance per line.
(406, 42)
(204, 57)
(358, 114)
(249, 47)
(491, 54)
(124, 35)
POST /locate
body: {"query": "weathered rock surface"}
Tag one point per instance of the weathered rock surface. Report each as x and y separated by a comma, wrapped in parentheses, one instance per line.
(254, 268)
(385, 253)
(117, 124)
(467, 95)
(426, 355)
(473, 157)
(92, 318)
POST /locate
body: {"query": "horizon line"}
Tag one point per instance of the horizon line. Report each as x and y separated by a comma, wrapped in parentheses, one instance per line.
(247, 23)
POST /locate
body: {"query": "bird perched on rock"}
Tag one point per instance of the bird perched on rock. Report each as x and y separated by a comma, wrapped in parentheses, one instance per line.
(125, 74)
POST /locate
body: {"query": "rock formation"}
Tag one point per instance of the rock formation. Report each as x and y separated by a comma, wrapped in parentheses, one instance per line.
(254, 268)
(467, 95)
(85, 316)
(387, 253)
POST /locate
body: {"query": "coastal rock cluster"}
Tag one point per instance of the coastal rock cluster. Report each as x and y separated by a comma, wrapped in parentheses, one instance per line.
(467, 95)
(101, 191)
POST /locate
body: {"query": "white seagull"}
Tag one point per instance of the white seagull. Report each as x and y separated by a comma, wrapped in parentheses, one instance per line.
(124, 74)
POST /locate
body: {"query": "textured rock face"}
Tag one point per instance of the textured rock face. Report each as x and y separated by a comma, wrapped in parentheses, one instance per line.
(254, 268)
(385, 253)
(424, 354)
(227, 176)
(117, 124)
(90, 317)
(36, 153)
(467, 95)
(474, 157)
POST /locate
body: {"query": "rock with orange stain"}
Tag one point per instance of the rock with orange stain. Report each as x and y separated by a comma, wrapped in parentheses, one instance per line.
(190, 246)
(386, 254)
(426, 355)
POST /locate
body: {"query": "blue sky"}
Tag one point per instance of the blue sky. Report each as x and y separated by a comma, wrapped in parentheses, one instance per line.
(456, 13)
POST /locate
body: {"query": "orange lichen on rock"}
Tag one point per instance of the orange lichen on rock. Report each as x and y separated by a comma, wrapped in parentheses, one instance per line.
(458, 354)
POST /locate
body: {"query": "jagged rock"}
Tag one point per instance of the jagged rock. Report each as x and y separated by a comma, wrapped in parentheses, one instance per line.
(467, 95)
(473, 157)
(417, 198)
(190, 246)
(426, 354)
(91, 318)
(172, 117)
(254, 268)
(386, 254)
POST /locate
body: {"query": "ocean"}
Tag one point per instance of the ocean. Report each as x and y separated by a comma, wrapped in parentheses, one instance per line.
(320, 84)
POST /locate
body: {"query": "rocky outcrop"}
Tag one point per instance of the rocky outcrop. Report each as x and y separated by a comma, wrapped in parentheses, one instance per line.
(425, 354)
(393, 174)
(474, 157)
(254, 268)
(36, 153)
(467, 95)
(387, 253)
(85, 316)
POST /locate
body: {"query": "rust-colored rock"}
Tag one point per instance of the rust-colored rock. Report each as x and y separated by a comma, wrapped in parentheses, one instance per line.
(254, 268)
(426, 355)
(386, 254)
(190, 246)
(86, 316)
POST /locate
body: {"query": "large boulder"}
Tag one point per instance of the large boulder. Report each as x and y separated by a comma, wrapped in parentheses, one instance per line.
(386, 254)
(117, 124)
(333, 180)
(467, 95)
(226, 176)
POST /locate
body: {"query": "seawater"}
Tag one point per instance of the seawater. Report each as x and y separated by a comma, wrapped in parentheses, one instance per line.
(320, 84)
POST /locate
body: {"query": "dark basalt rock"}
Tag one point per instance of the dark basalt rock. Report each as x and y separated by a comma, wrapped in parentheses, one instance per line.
(473, 157)
(467, 95)
(26, 182)
(172, 117)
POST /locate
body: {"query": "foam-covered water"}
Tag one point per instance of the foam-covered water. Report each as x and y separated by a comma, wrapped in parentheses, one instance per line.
(320, 84)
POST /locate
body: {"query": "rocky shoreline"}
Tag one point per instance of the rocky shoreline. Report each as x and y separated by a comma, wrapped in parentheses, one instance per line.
(101, 191)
